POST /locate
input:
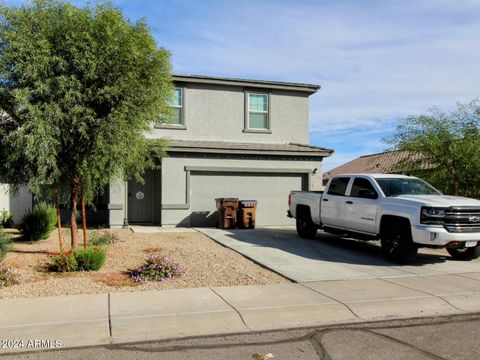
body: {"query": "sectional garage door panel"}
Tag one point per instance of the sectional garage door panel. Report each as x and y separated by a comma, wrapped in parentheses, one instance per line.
(270, 190)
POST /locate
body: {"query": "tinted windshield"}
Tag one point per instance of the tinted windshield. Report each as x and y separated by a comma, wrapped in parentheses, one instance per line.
(406, 186)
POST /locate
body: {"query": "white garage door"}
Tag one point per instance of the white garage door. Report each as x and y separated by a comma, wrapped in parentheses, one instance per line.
(270, 190)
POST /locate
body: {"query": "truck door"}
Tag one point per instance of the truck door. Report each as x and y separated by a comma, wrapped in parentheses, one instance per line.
(333, 202)
(361, 206)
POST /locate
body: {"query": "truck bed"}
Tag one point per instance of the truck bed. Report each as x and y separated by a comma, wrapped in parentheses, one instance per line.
(307, 198)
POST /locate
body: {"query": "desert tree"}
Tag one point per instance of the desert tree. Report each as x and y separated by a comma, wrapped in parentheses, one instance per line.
(80, 86)
(445, 148)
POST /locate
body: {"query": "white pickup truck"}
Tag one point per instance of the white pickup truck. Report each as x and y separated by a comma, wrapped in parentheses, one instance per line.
(404, 212)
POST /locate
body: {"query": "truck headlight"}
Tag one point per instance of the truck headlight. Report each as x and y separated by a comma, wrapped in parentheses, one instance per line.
(432, 215)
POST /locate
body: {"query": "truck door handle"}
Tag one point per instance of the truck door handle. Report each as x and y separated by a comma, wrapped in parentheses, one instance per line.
(349, 202)
(324, 199)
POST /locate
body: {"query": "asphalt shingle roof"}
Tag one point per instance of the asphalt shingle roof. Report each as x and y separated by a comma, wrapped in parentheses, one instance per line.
(289, 148)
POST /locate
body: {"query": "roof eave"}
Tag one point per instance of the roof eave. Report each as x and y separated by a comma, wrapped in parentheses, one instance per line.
(277, 85)
(316, 154)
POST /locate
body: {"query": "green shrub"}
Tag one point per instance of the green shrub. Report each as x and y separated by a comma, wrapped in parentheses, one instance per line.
(5, 244)
(103, 238)
(6, 219)
(90, 259)
(38, 223)
(7, 276)
(62, 263)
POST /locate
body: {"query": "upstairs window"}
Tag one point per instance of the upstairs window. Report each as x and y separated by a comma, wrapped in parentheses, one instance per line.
(176, 104)
(257, 112)
(176, 118)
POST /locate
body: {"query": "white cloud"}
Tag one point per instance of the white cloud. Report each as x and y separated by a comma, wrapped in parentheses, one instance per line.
(364, 62)
(376, 60)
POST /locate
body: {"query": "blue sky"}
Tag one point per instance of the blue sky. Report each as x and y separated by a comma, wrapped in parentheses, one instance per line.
(376, 60)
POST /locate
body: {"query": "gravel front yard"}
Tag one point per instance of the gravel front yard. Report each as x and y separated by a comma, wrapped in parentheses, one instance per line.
(207, 264)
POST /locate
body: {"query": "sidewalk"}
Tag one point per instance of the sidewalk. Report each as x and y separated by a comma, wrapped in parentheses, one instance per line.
(139, 316)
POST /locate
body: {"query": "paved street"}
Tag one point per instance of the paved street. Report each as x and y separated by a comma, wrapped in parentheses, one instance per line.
(330, 257)
(344, 283)
(436, 338)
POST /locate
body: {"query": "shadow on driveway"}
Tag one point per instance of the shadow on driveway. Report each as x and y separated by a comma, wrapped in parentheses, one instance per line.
(327, 247)
(329, 257)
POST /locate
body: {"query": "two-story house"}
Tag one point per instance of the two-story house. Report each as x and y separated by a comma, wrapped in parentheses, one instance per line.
(228, 138)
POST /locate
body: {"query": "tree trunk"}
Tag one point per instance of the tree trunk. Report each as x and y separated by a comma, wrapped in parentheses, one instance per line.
(59, 221)
(84, 217)
(73, 213)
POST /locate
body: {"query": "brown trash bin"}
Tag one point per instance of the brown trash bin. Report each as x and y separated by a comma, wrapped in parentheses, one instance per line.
(227, 212)
(247, 211)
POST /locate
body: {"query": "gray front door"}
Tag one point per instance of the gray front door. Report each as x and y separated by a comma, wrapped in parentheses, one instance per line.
(141, 200)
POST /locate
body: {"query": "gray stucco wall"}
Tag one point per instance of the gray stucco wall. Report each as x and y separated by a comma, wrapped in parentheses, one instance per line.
(4, 197)
(117, 208)
(218, 113)
(17, 204)
(174, 178)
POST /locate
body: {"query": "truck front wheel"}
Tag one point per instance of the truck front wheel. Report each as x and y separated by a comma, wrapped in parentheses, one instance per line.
(466, 254)
(397, 244)
(306, 229)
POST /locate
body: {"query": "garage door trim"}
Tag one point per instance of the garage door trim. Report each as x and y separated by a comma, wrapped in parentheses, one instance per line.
(189, 169)
(248, 169)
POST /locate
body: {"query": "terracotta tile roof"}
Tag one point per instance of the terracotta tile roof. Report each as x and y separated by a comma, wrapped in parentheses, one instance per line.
(212, 146)
(384, 163)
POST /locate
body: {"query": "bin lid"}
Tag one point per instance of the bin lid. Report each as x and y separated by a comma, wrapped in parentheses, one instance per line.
(226, 199)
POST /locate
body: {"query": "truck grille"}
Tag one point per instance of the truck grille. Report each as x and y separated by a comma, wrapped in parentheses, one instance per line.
(462, 219)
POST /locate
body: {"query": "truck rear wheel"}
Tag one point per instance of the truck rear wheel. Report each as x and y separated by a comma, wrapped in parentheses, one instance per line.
(465, 254)
(397, 244)
(306, 229)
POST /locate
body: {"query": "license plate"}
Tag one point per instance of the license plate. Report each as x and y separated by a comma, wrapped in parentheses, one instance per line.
(470, 243)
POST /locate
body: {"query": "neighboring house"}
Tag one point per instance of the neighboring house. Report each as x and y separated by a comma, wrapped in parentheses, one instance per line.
(228, 138)
(17, 204)
(386, 163)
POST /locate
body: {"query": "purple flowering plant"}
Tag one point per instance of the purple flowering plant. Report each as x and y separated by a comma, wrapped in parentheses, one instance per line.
(8, 276)
(157, 268)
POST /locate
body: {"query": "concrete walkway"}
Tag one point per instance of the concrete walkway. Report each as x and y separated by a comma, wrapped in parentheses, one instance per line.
(139, 316)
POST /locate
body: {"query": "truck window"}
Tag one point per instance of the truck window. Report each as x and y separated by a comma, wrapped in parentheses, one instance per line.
(338, 186)
(406, 186)
(363, 188)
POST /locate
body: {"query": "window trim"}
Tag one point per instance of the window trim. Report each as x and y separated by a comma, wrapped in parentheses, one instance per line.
(183, 122)
(246, 128)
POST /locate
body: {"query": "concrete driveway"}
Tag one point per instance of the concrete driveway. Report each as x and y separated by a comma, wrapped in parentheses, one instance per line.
(330, 257)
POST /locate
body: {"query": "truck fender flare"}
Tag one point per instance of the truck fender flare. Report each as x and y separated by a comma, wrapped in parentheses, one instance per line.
(385, 219)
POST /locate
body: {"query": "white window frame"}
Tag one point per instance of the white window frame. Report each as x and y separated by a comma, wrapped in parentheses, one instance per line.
(182, 125)
(248, 111)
